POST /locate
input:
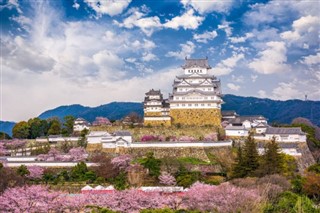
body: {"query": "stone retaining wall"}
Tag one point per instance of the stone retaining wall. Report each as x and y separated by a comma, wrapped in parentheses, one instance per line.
(196, 117)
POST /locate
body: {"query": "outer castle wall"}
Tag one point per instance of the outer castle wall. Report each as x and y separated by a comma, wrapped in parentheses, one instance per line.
(157, 122)
(196, 117)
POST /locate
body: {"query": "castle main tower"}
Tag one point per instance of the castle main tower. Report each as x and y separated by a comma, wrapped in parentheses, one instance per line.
(196, 96)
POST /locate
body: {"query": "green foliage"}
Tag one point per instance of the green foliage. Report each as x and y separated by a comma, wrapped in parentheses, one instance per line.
(311, 136)
(4, 136)
(78, 172)
(37, 127)
(238, 170)
(193, 161)
(41, 148)
(97, 209)
(314, 168)
(152, 164)
(21, 130)
(82, 141)
(289, 166)
(120, 181)
(247, 161)
(272, 160)
(289, 202)
(297, 184)
(55, 127)
(186, 178)
(67, 129)
(23, 171)
(90, 176)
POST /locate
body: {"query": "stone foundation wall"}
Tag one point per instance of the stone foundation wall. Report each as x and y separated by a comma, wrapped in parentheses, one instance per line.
(176, 152)
(152, 114)
(157, 123)
(196, 117)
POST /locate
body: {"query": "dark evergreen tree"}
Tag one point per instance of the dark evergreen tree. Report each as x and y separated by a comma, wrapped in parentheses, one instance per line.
(238, 169)
(272, 159)
(67, 129)
(250, 156)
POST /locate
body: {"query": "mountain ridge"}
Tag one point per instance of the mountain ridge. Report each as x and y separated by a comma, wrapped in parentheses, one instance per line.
(275, 110)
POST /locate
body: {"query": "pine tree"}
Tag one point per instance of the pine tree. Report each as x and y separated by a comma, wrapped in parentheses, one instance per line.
(250, 156)
(272, 160)
(238, 170)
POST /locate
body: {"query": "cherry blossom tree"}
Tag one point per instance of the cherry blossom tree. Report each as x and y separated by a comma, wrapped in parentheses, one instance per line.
(149, 138)
(33, 198)
(223, 198)
(35, 172)
(167, 179)
(122, 162)
(78, 154)
(211, 136)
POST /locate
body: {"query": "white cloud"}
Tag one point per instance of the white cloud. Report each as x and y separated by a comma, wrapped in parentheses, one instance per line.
(149, 57)
(209, 6)
(76, 5)
(262, 94)
(305, 31)
(205, 37)
(186, 51)
(238, 79)
(233, 86)
(286, 91)
(11, 4)
(272, 59)
(311, 59)
(226, 66)
(137, 19)
(241, 39)
(109, 7)
(186, 21)
(225, 26)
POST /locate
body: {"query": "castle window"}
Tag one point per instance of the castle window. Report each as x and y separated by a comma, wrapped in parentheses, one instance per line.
(183, 104)
(196, 104)
(189, 104)
(202, 104)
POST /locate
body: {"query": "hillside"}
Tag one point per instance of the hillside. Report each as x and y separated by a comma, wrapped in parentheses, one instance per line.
(275, 111)
(113, 111)
(6, 126)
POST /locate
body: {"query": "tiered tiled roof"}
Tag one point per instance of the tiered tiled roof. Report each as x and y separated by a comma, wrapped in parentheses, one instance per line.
(202, 63)
(284, 130)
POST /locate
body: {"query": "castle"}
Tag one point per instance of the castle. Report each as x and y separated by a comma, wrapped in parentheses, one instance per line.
(195, 99)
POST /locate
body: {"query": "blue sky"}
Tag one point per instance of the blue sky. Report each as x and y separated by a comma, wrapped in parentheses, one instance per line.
(93, 52)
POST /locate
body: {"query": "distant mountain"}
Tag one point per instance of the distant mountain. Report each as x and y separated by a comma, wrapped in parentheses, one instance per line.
(113, 111)
(6, 126)
(275, 111)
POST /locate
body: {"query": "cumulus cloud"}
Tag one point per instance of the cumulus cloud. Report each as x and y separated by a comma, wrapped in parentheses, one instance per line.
(226, 66)
(241, 39)
(311, 59)
(262, 94)
(109, 7)
(305, 31)
(186, 21)
(209, 6)
(137, 19)
(233, 86)
(225, 26)
(254, 78)
(149, 57)
(271, 60)
(205, 37)
(186, 51)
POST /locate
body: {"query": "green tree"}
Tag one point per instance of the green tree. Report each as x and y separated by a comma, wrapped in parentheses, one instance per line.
(272, 160)
(4, 136)
(78, 171)
(67, 129)
(250, 156)
(238, 169)
(55, 127)
(82, 141)
(38, 127)
(152, 164)
(21, 130)
(23, 171)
